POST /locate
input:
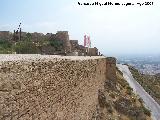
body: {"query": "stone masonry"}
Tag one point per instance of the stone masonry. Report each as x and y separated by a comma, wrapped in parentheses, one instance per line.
(50, 87)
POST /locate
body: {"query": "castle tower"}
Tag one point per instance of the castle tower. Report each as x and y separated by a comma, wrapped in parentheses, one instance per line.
(64, 36)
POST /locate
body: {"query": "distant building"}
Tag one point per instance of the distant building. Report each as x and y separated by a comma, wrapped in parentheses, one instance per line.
(58, 43)
(92, 51)
(23, 34)
(48, 34)
(63, 37)
(74, 45)
(82, 50)
(37, 36)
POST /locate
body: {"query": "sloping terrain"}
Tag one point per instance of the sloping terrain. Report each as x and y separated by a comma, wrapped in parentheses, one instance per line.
(148, 101)
(118, 102)
(151, 83)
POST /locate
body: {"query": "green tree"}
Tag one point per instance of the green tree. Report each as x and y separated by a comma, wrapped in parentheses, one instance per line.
(28, 36)
(57, 44)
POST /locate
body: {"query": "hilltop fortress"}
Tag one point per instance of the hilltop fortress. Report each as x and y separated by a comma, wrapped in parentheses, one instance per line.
(60, 43)
(74, 84)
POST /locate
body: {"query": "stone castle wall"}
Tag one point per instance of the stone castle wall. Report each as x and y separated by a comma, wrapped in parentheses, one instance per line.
(50, 89)
(5, 35)
(64, 37)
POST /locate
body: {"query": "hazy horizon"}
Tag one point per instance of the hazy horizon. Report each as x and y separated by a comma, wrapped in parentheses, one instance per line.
(114, 30)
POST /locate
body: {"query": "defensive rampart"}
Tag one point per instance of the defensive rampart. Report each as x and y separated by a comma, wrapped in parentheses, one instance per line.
(50, 87)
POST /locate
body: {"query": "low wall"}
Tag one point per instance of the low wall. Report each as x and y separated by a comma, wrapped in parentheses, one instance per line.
(50, 89)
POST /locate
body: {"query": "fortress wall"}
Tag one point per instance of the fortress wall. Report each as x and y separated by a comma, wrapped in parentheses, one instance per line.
(111, 68)
(53, 89)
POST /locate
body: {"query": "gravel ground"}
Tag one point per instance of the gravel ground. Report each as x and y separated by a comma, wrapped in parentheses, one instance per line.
(26, 57)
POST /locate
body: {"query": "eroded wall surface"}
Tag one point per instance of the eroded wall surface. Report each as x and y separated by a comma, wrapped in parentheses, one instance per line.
(54, 89)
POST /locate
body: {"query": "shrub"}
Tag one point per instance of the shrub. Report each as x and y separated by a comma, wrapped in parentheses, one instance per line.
(129, 90)
(140, 100)
(25, 47)
(5, 44)
(57, 44)
(146, 111)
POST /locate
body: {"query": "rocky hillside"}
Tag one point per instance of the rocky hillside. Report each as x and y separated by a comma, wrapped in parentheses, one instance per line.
(118, 102)
(151, 83)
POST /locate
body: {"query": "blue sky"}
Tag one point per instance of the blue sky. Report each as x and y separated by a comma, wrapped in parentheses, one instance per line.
(113, 29)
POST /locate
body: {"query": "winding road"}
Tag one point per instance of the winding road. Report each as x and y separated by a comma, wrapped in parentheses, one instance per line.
(149, 102)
